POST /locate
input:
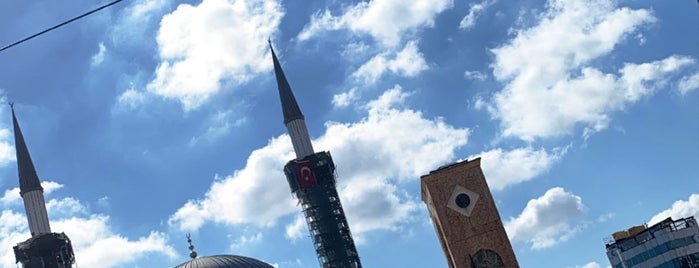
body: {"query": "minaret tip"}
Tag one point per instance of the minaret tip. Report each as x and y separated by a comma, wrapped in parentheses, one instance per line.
(290, 108)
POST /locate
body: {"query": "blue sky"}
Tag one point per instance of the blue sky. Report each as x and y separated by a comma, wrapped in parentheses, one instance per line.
(157, 118)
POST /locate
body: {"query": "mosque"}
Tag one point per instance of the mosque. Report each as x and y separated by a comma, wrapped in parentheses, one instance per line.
(311, 177)
(457, 196)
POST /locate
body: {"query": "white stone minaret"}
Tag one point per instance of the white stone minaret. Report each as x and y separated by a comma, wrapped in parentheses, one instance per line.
(29, 186)
(293, 119)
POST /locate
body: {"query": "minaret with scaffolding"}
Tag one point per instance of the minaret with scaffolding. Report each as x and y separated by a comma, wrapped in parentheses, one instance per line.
(44, 249)
(311, 177)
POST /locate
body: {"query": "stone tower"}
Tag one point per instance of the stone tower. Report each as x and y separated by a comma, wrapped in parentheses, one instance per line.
(466, 218)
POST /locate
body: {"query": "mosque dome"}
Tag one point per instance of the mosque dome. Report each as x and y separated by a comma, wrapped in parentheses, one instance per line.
(224, 261)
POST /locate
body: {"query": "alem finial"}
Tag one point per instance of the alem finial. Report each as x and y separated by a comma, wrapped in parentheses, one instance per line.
(12, 105)
(192, 252)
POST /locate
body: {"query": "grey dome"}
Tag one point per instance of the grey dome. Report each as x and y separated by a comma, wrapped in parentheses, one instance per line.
(224, 261)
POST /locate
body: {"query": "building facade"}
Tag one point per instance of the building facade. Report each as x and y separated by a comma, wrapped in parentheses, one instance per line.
(465, 217)
(667, 244)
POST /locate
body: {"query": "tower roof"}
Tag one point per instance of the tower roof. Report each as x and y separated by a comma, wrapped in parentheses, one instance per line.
(289, 106)
(28, 179)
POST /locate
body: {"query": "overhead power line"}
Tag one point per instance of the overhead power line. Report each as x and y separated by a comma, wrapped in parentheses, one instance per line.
(60, 25)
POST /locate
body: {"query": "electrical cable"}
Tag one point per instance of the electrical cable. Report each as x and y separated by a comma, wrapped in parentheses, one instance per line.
(60, 25)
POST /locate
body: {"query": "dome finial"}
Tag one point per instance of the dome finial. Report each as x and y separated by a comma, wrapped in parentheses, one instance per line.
(192, 252)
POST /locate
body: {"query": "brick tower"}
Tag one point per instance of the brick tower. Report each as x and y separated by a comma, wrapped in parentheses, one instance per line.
(466, 218)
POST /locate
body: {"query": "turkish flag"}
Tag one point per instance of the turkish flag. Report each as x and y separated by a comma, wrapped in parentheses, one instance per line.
(304, 174)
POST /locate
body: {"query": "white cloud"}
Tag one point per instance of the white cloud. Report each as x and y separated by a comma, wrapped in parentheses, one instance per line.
(344, 99)
(474, 12)
(588, 265)
(142, 10)
(131, 98)
(218, 125)
(94, 242)
(385, 20)
(7, 149)
(96, 245)
(12, 196)
(506, 168)
(545, 221)
(218, 40)
(680, 209)
(375, 204)
(134, 26)
(297, 228)
(65, 207)
(688, 83)
(98, 58)
(551, 87)
(258, 194)
(475, 75)
(247, 240)
(408, 62)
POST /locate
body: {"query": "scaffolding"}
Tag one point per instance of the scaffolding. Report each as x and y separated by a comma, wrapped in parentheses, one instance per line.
(51, 250)
(312, 180)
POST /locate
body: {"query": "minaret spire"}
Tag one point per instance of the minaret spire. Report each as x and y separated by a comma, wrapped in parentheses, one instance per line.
(293, 118)
(29, 185)
(311, 177)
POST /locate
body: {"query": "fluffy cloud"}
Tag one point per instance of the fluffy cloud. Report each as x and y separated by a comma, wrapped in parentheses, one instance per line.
(12, 196)
(679, 209)
(218, 125)
(688, 83)
(296, 229)
(98, 58)
(402, 146)
(588, 265)
(131, 98)
(545, 221)
(505, 168)
(385, 20)
(218, 40)
(346, 98)
(408, 62)
(551, 87)
(95, 244)
(475, 75)
(474, 11)
(7, 149)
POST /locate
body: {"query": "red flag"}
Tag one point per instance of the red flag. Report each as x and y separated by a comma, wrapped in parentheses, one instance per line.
(304, 174)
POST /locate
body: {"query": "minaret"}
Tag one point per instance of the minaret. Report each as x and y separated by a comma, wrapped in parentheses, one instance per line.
(311, 177)
(293, 118)
(29, 186)
(44, 249)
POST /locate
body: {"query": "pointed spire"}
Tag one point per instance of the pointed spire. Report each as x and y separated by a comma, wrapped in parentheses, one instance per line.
(28, 179)
(289, 106)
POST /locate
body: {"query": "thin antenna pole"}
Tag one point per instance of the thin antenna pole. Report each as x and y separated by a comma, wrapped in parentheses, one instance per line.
(60, 25)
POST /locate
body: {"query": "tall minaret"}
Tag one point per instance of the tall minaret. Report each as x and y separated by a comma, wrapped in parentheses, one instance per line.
(29, 186)
(293, 118)
(44, 248)
(311, 177)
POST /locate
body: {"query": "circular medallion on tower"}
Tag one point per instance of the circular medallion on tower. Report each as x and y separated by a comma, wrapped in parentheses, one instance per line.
(462, 200)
